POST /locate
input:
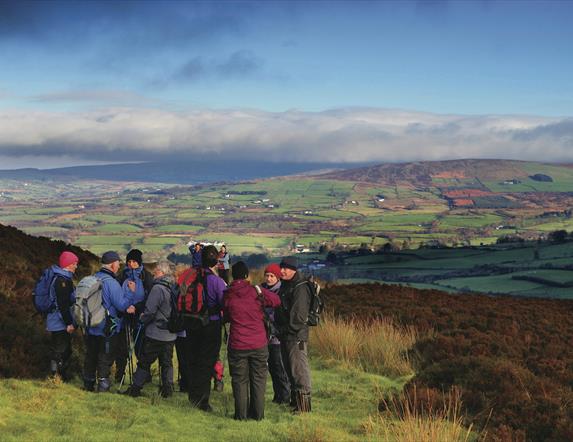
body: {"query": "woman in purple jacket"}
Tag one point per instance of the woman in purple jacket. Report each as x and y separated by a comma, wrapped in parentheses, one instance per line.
(247, 348)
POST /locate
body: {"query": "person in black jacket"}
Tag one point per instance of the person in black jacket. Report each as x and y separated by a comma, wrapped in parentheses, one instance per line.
(137, 282)
(291, 320)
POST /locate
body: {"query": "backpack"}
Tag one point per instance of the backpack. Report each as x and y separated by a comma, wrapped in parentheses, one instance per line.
(192, 300)
(42, 297)
(88, 310)
(316, 302)
(175, 321)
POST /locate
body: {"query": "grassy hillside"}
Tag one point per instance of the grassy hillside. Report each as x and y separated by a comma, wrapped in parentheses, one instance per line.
(46, 410)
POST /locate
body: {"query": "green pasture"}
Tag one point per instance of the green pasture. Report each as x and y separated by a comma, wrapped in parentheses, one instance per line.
(103, 239)
(52, 210)
(107, 218)
(552, 224)
(116, 228)
(489, 284)
(469, 221)
(178, 228)
(44, 230)
(20, 218)
(162, 240)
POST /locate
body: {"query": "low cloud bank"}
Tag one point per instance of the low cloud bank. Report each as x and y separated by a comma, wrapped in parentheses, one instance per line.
(338, 135)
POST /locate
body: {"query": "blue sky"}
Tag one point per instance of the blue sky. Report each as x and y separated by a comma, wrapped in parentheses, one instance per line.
(310, 71)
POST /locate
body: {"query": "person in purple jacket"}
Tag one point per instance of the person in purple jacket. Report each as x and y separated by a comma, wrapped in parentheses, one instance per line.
(204, 343)
(247, 348)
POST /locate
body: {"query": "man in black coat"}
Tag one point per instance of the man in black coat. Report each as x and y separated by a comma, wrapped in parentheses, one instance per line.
(291, 320)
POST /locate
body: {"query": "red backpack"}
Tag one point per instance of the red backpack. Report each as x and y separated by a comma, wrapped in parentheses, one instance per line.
(192, 300)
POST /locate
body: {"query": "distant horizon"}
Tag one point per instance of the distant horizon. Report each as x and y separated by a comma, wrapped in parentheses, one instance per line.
(231, 160)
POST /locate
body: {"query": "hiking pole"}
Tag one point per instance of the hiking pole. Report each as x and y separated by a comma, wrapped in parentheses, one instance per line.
(127, 342)
(130, 354)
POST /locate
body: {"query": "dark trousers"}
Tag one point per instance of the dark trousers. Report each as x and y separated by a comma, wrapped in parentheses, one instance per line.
(121, 354)
(203, 346)
(100, 352)
(249, 378)
(295, 357)
(183, 363)
(152, 350)
(281, 383)
(61, 351)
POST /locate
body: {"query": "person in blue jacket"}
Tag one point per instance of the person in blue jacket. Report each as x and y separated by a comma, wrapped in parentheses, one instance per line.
(197, 255)
(59, 320)
(136, 281)
(101, 339)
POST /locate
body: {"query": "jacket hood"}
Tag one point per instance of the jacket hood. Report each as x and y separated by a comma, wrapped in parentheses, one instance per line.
(61, 272)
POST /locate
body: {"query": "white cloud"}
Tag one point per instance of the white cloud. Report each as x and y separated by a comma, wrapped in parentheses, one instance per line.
(338, 135)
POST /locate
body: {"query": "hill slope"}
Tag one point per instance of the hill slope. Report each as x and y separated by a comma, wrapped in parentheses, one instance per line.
(424, 173)
(24, 348)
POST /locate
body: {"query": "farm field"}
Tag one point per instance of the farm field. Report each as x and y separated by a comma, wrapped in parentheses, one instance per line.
(457, 203)
(539, 269)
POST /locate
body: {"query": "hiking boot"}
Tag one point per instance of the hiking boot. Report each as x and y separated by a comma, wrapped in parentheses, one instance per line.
(89, 385)
(206, 408)
(166, 390)
(133, 391)
(218, 385)
(103, 385)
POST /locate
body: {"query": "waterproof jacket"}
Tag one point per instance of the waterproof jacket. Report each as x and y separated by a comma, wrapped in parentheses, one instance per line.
(244, 310)
(274, 340)
(196, 255)
(291, 318)
(62, 291)
(157, 311)
(114, 301)
(215, 286)
(143, 284)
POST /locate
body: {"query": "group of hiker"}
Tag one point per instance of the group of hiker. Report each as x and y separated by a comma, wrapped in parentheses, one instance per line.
(146, 315)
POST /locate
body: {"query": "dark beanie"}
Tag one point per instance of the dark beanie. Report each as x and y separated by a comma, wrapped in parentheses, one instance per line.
(209, 256)
(289, 262)
(240, 270)
(109, 257)
(135, 255)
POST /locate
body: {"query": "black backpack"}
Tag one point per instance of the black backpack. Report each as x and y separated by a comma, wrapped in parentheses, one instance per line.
(316, 306)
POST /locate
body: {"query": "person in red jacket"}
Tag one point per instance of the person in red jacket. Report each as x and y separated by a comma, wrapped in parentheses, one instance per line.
(247, 347)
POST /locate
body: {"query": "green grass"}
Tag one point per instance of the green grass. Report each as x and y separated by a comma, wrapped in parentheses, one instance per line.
(343, 401)
(178, 228)
(117, 228)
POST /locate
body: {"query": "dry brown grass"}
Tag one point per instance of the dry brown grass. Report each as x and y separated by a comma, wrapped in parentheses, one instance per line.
(404, 421)
(376, 346)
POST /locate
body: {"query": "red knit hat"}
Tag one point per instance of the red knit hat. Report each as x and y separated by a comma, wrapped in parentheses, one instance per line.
(274, 269)
(67, 258)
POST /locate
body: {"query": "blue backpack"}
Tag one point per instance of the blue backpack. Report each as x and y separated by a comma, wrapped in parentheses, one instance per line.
(42, 298)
